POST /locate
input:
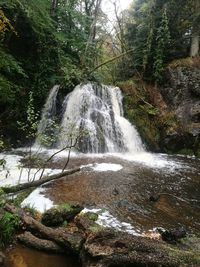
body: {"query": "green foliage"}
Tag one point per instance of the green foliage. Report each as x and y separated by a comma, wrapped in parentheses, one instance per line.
(92, 216)
(31, 210)
(20, 197)
(71, 73)
(2, 198)
(29, 127)
(44, 48)
(149, 109)
(8, 225)
(159, 31)
(162, 38)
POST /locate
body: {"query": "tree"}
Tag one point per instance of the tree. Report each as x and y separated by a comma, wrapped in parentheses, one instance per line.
(160, 31)
(56, 43)
(195, 28)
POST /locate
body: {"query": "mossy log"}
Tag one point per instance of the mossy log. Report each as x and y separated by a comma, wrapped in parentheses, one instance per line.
(118, 249)
(30, 240)
(72, 242)
(45, 179)
(106, 247)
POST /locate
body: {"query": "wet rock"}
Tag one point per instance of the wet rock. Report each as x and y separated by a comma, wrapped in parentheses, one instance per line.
(86, 221)
(182, 92)
(58, 215)
(109, 248)
(173, 235)
(2, 259)
(115, 192)
(154, 198)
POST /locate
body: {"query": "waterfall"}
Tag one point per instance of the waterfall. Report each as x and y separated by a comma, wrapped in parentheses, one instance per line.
(93, 116)
(47, 123)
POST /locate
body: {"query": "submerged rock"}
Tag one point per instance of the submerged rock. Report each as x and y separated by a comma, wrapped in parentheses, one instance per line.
(172, 235)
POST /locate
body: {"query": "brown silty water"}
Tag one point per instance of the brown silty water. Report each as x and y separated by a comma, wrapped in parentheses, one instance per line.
(127, 193)
(24, 257)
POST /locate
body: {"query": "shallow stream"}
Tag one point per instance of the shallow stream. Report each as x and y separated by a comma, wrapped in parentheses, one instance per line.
(121, 189)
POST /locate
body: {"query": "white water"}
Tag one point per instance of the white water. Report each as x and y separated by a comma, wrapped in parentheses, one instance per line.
(105, 219)
(47, 121)
(94, 114)
(13, 172)
(103, 167)
(38, 201)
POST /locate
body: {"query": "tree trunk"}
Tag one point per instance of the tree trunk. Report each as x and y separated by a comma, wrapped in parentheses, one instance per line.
(71, 242)
(34, 242)
(194, 50)
(54, 5)
(45, 179)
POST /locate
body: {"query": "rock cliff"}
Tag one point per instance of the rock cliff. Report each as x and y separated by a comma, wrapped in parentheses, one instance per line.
(168, 116)
(181, 92)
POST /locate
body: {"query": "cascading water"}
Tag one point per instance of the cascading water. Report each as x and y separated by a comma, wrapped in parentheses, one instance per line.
(46, 125)
(94, 114)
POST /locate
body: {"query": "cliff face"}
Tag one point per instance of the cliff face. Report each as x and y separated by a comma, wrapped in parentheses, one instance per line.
(167, 117)
(182, 95)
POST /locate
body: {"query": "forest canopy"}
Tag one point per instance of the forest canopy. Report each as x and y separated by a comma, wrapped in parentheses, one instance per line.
(48, 42)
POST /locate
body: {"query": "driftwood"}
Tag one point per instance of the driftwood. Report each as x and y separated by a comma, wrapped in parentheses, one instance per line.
(72, 242)
(45, 179)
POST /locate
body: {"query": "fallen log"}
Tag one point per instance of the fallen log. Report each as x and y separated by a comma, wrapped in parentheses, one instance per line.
(106, 247)
(109, 248)
(45, 179)
(40, 244)
(71, 242)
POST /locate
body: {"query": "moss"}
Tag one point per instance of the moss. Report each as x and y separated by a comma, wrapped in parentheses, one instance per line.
(92, 216)
(32, 211)
(96, 228)
(21, 196)
(186, 151)
(142, 116)
(65, 206)
(58, 215)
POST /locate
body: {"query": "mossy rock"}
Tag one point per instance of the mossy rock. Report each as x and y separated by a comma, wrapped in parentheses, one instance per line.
(56, 216)
(86, 221)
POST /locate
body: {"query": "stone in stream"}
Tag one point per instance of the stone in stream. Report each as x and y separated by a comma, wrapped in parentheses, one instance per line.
(58, 215)
(172, 235)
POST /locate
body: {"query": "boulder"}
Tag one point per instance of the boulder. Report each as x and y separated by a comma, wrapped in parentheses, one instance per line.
(60, 214)
(182, 94)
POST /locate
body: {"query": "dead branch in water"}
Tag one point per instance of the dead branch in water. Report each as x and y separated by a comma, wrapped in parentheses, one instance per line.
(45, 179)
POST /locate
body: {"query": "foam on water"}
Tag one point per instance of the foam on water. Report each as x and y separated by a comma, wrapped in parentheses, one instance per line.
(103, 167)
(105, 219)
(38, 201)
(13, 173)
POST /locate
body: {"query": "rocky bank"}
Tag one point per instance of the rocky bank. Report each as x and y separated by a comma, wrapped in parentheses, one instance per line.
(167, 116)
